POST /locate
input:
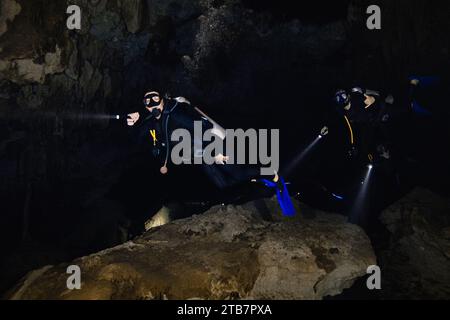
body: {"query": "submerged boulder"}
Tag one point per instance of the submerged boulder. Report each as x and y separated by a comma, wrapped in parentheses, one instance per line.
(416, 260)
(229, 252)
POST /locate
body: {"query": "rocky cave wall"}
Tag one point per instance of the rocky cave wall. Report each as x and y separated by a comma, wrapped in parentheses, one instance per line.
(209, 50)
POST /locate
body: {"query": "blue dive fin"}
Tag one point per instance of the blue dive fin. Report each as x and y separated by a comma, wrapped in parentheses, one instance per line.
(424, 81)
(284, 200)
(418, 109)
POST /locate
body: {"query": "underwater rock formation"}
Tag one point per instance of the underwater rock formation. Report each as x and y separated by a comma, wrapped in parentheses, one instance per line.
(416, 262)
(229, 252)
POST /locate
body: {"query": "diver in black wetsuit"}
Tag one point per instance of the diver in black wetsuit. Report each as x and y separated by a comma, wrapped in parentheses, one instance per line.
(367, 114)
(162, 116)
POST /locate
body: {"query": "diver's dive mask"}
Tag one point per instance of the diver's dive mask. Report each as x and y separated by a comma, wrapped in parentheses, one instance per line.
(342, 98)
(149, 100)
(153, 100)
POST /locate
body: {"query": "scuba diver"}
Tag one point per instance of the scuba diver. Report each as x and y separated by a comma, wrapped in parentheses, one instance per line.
(161, 116)
(366, 114)
(379, 128)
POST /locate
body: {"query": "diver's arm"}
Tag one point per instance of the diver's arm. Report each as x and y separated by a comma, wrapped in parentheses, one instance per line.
(182, 100)
(199, 153)
(217, 130)
(372, 93)
(195, 114)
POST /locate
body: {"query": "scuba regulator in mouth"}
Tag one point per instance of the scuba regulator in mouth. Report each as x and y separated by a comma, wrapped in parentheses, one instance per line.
(156, 113)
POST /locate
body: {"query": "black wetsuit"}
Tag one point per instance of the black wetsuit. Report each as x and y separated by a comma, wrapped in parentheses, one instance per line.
(181, 115)
(369, 123)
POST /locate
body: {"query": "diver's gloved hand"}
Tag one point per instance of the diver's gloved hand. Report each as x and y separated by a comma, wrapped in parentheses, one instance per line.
(221, 159)
(133, 118)
(383, 152)
(390, 99)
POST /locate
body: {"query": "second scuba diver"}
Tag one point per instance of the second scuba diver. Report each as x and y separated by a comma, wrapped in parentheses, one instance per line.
(366, 114)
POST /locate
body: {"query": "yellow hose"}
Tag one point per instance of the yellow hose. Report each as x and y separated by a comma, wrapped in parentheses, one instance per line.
(352, 139)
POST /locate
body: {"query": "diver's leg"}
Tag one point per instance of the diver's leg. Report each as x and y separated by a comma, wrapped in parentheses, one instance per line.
(234, 174)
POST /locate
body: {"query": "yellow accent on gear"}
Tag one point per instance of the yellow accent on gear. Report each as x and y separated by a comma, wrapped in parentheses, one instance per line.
(153, 134)
(352, 139)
